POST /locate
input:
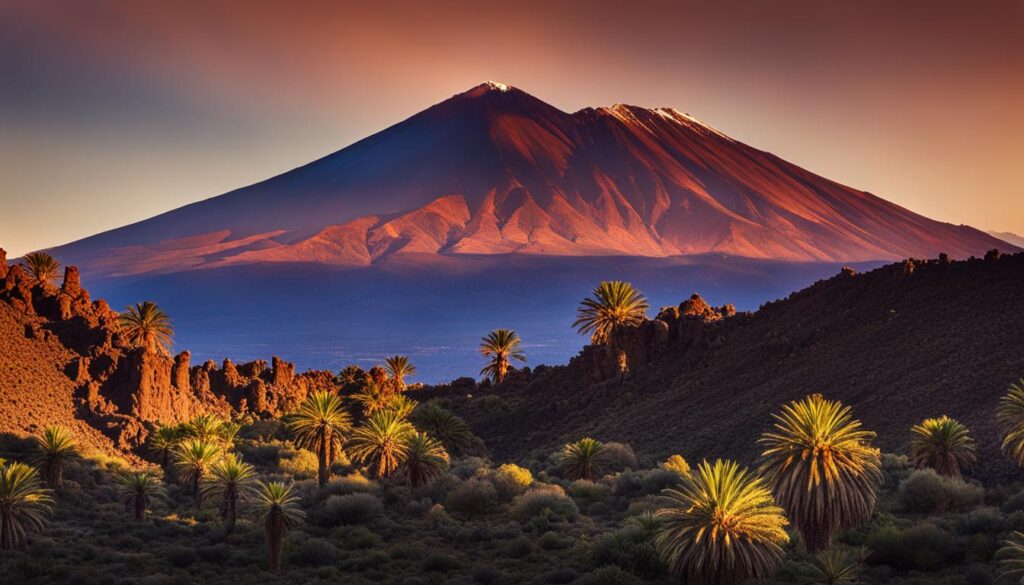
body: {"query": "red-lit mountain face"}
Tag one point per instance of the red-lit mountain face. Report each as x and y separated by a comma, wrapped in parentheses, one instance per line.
(497, 171)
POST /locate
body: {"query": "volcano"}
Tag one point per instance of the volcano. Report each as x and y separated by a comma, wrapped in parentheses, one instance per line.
(495, 209)
(494, 170)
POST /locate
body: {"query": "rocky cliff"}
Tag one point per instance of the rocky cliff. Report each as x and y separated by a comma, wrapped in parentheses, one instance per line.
(64, 354)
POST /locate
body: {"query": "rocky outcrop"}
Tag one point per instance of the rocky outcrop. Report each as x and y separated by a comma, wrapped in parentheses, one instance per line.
(686, 331)
(122, 390)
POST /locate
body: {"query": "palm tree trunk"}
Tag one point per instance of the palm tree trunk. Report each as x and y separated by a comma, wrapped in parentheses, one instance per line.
(324, 471)
(275, 533)
(140, 507)
(230, 510)
(196, 491)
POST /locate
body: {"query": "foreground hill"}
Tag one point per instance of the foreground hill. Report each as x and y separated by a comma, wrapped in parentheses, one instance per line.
(900, 343)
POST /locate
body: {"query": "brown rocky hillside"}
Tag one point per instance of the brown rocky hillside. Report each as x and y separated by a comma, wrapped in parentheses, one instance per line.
(903, 342)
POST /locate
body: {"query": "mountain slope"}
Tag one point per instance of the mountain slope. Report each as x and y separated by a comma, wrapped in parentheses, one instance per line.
(898, 344)
(495, 171)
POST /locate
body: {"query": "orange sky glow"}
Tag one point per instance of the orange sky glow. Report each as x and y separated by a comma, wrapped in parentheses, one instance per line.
(112, 112)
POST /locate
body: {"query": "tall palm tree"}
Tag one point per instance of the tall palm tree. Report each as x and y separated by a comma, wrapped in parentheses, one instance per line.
(41, 267)
(352, 377)
(822, 468)
(320, 425)
(194, 459)
(722, 528)
(1010, 417)
(425, 460)
(943, 444)
(502, 346)
(162, 443)
(136, 489)
(613, 303)
(24, 504)
(441, 424)
(235, 481)
(381, 442)
(582, 459)
(399, 368)
(146, 326)
(205, 427)
(279, 511)
(55, 447)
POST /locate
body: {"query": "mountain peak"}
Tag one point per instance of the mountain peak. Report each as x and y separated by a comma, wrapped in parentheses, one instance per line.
(487, 87)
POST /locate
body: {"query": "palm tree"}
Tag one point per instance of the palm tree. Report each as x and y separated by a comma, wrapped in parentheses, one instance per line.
(320, 426)
(822, 468)
(382, 442)
(24, 504)
(373, 397)
(41, 267)
(402, 405)
(613, 303)
(137, 488)
(582, 459)
(425, 460)
(1010, 417)
(162, 443)
(235, 481)
(55, 447)
(832, 567)
(279, 511)
(399, 368)
(502, 346)
(205, 427)
(194, 459)
(722, 528)
(943, 444)
(146, 326)
(379, 375)
(352, 377)
(441, 424)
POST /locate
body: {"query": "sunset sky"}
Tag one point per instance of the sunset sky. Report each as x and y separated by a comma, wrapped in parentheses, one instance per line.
(111, 112)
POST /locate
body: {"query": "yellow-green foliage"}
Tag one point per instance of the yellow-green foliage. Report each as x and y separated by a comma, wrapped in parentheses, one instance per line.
(300, 464)
(511, 480)
(677, 464)
(722, 528)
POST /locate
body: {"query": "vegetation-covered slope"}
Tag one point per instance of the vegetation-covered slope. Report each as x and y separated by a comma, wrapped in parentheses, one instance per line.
(899, 344)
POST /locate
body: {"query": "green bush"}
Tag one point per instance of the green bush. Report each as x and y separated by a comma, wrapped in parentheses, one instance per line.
(313, 552)
(926, 491)
(547, 501)
(616, 457)
(610, 575)
(511, 480)
(630, 548)
(518, 548)
(923, 547)
(472, 497)
(441, 563)
(351, 484)
(588, 491)
(300, 464)
(350, 509)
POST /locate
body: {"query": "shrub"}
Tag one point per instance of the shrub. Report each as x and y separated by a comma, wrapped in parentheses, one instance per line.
(610, 575)
(631, 548)
(924, 547)
(313, 552)
(617, 457)
(676, 464)
(300, 464)
(927, 491)
(351, 484)
(588, 491)
(511, 480)
(441, 563)
(553, 541)
(351, 509)
(980, 521)
(488, 575)
(474, 496)
(518, 548)
(552, 503)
